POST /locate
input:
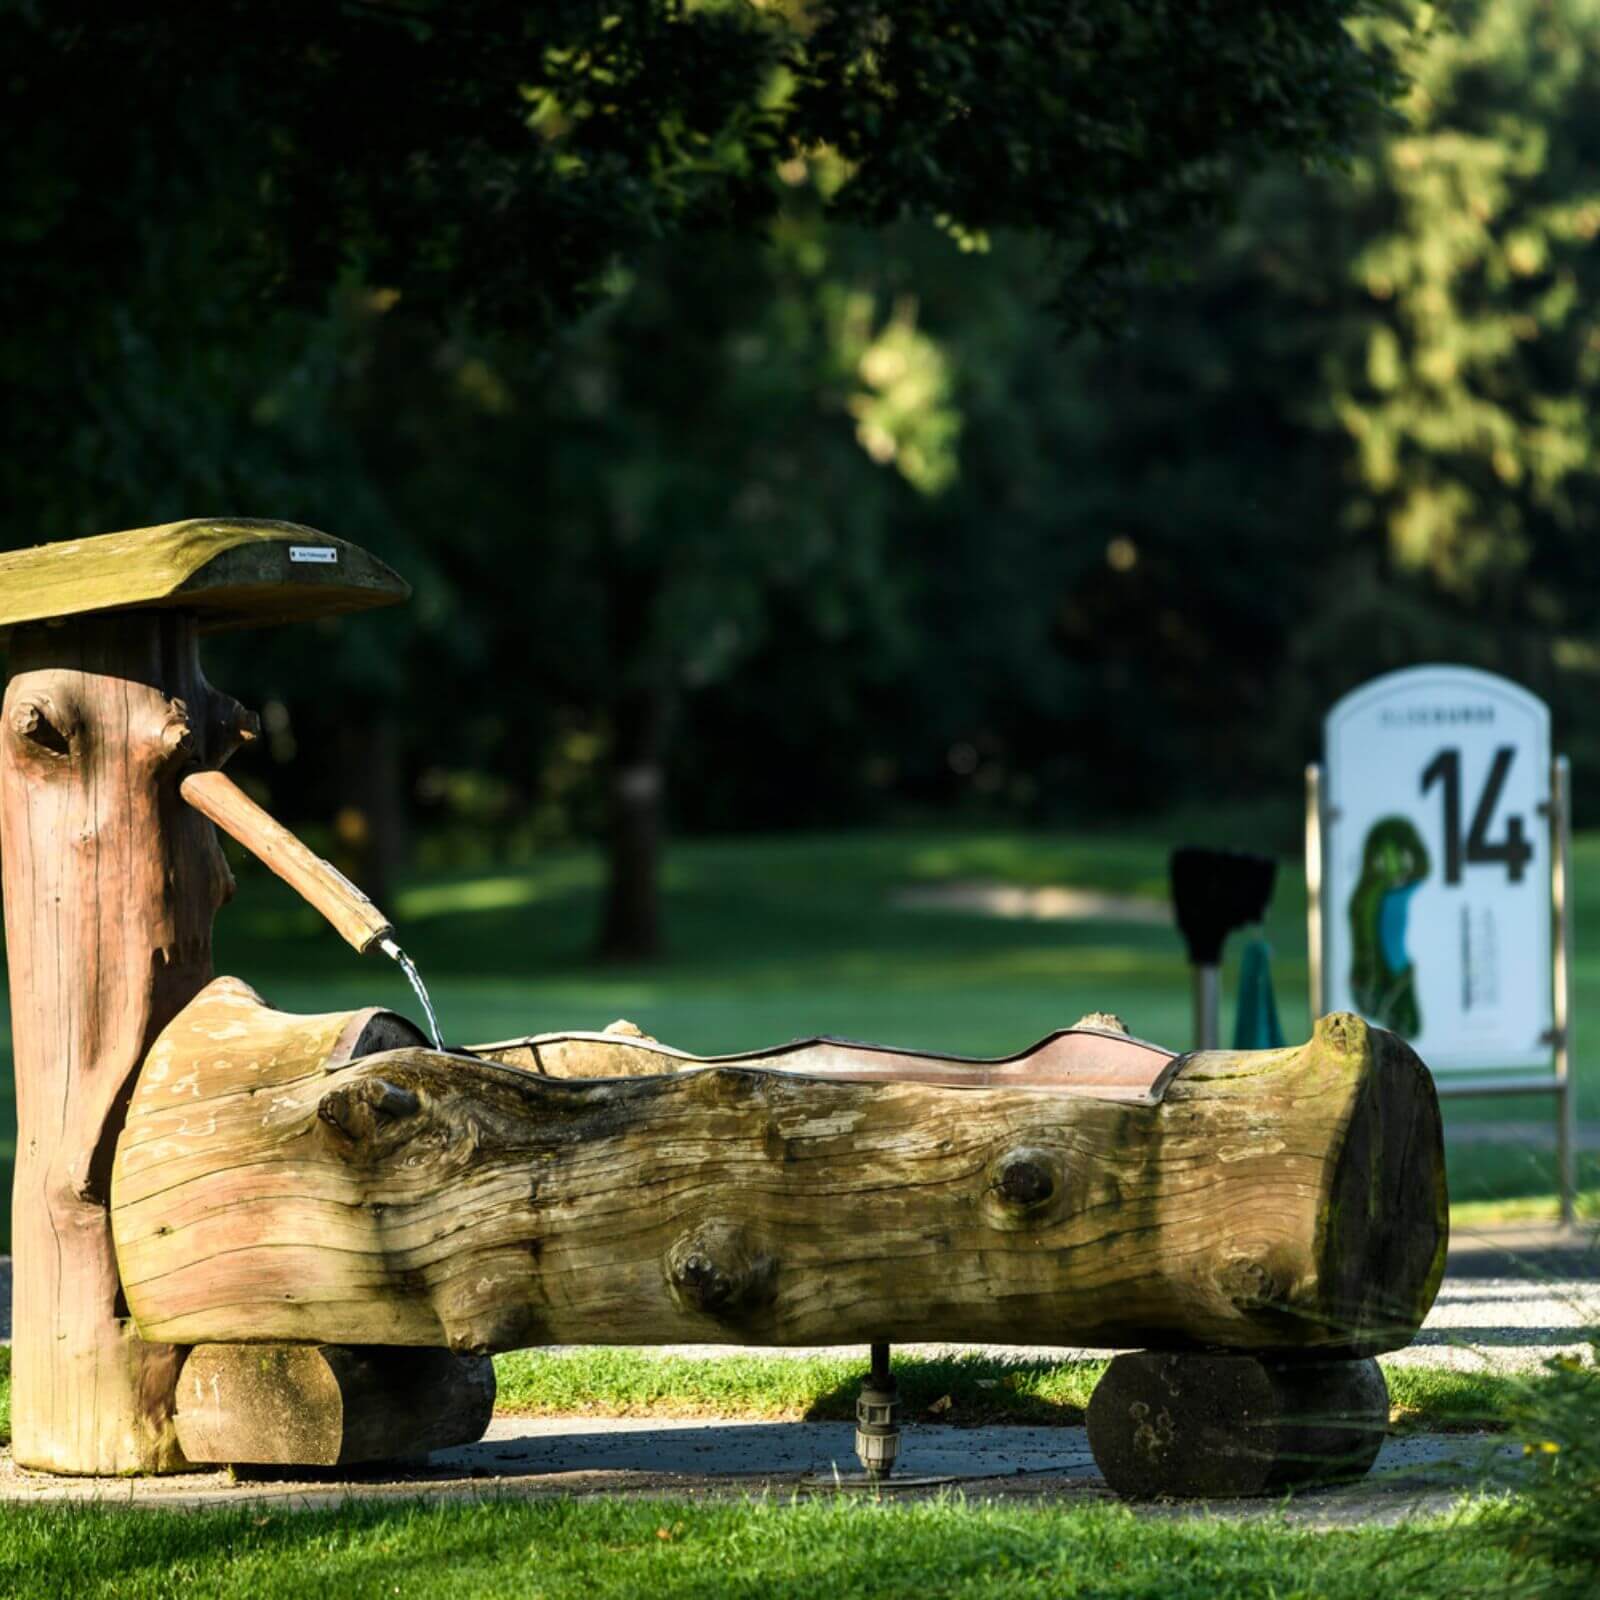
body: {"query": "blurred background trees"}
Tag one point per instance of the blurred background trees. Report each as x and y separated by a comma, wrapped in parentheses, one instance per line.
(717, 376)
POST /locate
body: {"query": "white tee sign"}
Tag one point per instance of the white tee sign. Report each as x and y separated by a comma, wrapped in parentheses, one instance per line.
(1436, 865)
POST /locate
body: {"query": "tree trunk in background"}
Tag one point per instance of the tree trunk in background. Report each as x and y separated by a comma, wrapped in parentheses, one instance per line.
(111, 882)
(373, 784)
(630, 928)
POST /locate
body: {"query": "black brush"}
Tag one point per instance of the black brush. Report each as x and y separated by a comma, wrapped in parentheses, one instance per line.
(1216, 891)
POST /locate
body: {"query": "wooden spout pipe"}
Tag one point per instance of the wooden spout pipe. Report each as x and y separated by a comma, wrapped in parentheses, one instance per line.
(354, 917)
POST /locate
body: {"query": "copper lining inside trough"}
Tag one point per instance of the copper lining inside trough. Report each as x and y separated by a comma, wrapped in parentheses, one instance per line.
(1095, 1062)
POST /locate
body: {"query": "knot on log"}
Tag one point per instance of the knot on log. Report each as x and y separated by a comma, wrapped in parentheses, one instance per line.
(1249, 1284)
(177, 741)
(1022, 1183)
(231, 726)
(731, 1087)
(359, 1110)
(1343, 1033)
(715, 1269)
(39, 731)
(1102, 1022)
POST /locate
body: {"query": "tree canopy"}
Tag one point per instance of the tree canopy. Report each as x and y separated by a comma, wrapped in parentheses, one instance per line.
(332, 261)
(494, 161)
(735, 384)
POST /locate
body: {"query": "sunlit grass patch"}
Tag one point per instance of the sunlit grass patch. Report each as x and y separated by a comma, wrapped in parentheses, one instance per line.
(828, 1547)
(1434, 1399)
(1526, 1208)
(966, 1388)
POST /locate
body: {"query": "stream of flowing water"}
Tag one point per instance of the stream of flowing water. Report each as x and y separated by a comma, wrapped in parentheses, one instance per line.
(409, 967)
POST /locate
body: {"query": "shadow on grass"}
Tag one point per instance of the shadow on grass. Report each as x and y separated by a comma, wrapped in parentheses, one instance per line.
(970, 1391)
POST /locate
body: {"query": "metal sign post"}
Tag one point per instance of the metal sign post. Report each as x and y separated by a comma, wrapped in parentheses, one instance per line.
(1429, 908)
(1564, 1086)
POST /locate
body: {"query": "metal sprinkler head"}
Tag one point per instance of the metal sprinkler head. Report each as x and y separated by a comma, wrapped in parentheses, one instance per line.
(878, 1418)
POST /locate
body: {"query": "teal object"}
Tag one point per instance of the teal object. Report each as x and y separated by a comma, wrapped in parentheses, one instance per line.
(1255, 1017)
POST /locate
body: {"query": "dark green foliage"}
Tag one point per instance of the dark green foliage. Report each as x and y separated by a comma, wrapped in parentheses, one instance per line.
(1111, 128)
(184, 202)
(829, 522)
(1553, 1524)
(493, 161)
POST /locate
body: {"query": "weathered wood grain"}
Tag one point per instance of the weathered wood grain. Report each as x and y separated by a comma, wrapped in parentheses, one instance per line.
(416, 1197)
(230, 572)
(110, 886)
(318, 1405)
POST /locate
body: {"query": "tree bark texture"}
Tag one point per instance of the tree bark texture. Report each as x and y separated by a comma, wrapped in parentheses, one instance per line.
(111, 883)
(1289, 1201)
(630, 928)
(372, 781)
(110, 887)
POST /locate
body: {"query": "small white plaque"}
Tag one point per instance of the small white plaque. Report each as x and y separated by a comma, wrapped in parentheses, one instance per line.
(318, 554)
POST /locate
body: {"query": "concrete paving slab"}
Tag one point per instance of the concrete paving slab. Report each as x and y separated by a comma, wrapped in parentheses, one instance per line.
(710, 1447)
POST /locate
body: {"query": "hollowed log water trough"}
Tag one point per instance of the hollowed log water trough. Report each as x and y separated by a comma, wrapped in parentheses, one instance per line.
(244, 1235)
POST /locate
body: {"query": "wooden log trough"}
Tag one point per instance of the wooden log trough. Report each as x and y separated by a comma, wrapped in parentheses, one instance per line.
(279, 1178)
(289, 1179)
(246, 1235)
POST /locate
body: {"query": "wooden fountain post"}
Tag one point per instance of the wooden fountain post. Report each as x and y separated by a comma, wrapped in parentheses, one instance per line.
(111, 883)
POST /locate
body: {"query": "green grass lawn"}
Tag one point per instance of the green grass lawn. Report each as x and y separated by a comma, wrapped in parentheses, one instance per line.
(780, 936)
(830, 1548)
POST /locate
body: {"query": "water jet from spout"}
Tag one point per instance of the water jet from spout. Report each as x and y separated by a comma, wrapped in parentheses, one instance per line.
(409, 967)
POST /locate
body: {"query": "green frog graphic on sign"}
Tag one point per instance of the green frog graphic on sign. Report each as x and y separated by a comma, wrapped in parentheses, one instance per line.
(1394, 861)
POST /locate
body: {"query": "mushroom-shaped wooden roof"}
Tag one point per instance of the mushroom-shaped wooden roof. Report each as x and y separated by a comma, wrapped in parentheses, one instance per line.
(234, 572)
